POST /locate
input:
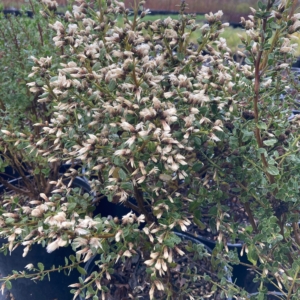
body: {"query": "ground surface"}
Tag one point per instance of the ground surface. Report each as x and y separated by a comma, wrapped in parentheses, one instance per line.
(233, 9)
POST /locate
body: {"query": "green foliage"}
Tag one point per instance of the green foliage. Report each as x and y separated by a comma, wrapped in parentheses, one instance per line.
(150, 116)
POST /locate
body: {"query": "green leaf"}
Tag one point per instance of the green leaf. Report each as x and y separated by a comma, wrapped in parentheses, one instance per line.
(197, 166)
(96, 66)
(249, 229)
(197, 141)
(72, 258)
(81, 270)
(272, 170)
(180, 56)
(54, 78)
(126, 185)
(262, 125)
(122, 174)
(144, 85)
(248, 61)
(71, 133)
(71, 206)
(252, 255)
(41, 266)
(270, 142)
(261, 296)
(262, 151)
(8, 285)
(201, 225)
(261, 5)
(112, 85)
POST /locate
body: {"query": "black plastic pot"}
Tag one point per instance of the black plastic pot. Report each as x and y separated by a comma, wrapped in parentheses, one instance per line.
(25, 289)
(188, 237)
(270, 296)
(10, 174)
(241, 274)
(105, 208)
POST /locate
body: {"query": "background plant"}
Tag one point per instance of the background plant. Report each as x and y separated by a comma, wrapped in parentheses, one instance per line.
(22, 39)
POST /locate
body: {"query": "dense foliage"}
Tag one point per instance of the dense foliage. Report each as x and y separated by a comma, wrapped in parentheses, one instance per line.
(165, 127)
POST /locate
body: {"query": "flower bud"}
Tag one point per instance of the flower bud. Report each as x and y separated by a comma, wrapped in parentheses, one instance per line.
(254, 49)
(278, 15)
(281, 7)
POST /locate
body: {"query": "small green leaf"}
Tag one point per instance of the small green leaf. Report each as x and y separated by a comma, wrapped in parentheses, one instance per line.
(72, 258)
(252, 255)
(248, 61)
(197, 141)
(81, 270)
(122, 174)
(180, 56)
(172, 265)
(272, 170)
(96, 66)
(145, 86)
(270, 142)
(201, 225)
(126, 185)
(249, 229)
(262, 151)
(8, 285)
(112, 85)
(261, 5)
(71, 133)
(197, 166)
(262, 125)
(71, 206)
(41, 266)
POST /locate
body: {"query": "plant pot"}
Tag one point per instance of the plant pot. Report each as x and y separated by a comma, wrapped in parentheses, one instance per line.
(24, 289)
(104, 207)
(270, 296)
(10, 174)
(134, 276)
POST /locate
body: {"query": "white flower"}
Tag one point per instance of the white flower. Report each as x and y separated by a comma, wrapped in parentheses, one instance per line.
(29, 267)
(95, 243)
(180, 252)
(170, 34)
(127, 253)
(37, 212)
(267, 83)
(58, 26)
(118, 235)
(143, 49)
(126, 126)
(52, 246)
(72, 28)
(199, 97)
(168, 95)
(286, 46)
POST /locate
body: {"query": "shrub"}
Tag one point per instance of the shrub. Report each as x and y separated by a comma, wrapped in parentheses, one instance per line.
(166, 129)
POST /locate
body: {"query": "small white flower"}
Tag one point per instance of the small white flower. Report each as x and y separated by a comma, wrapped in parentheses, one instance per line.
(29, 267)
(52, 246)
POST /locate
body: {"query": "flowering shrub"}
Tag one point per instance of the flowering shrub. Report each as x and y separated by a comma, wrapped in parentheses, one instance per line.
(165, 127)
